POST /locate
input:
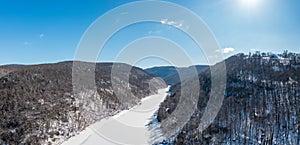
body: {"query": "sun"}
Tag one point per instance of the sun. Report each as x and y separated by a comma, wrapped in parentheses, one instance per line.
(250, 3)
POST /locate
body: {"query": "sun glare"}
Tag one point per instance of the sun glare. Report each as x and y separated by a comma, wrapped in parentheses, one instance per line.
(250, 3)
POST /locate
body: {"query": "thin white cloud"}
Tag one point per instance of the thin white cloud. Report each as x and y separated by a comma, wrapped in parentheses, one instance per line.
(226, 50)
(171, 23)
(42, 36)
(26, 43)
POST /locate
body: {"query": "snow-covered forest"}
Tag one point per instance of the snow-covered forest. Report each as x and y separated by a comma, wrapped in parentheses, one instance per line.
(261, 104)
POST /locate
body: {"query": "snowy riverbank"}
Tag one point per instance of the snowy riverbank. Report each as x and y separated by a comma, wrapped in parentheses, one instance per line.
(126, 127)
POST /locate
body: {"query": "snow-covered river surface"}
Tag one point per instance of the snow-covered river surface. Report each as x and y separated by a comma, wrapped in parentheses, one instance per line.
(126, 127)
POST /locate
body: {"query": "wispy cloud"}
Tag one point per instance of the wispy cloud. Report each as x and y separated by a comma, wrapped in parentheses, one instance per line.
(226, 50)
(26, 43)
(42, 36)
(171, 23)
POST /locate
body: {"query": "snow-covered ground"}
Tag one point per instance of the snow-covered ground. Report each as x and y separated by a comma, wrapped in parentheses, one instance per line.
(126, 127)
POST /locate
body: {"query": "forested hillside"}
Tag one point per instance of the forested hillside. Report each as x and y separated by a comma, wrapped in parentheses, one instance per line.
(261, 103)
(39, 106)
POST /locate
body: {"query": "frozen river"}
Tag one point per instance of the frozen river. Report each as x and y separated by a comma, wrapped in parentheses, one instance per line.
(126, 127)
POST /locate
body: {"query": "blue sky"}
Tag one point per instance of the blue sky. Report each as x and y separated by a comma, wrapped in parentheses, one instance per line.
(37, 31)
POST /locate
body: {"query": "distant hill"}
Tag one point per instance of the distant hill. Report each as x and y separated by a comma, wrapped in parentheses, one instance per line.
(38, 104)
(162, 71)
(170, 73)
(5, 69)
(260, 106)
